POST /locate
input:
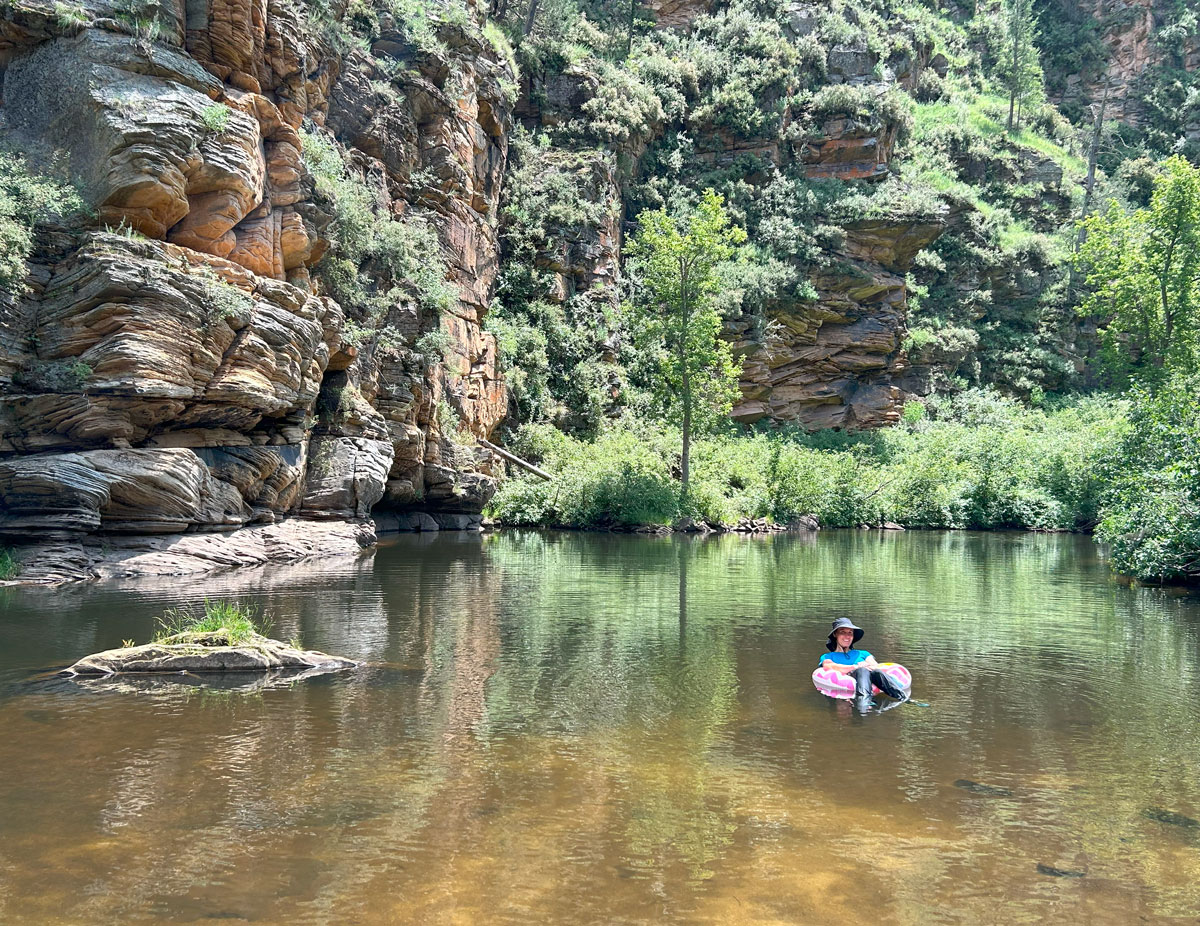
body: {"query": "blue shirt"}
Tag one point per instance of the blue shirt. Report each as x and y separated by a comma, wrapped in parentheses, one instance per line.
(852, 658)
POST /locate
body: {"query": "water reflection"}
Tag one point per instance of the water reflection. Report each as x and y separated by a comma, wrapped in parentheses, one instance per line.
(562, 727)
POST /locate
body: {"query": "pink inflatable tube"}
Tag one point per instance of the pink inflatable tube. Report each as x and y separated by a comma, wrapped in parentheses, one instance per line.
(837, 685)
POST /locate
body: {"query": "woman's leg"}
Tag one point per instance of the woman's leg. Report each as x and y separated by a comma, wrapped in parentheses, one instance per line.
(887, 685)
(862, 682)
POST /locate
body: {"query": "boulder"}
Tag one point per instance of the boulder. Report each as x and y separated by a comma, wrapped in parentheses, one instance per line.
(206, 652)
(138, 491)
(346, 476)
(458, 522)
(411, 521)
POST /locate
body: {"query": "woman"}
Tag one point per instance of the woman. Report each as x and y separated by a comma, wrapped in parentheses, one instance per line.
(857, 663)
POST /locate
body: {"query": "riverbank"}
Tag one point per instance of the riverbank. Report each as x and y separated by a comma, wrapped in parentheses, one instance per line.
(1123, 468)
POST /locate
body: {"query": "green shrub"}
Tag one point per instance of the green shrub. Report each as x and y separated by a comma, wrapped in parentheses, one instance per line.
(1150, 514)
(239, 622)
(976, 460)
(65, 376)
(71, 16)
(25, 200)
(215, 118)
(376, 260)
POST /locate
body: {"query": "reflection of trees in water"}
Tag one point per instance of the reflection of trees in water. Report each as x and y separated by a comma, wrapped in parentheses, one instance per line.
(594, 701)
(604, 648)
(1021, 653)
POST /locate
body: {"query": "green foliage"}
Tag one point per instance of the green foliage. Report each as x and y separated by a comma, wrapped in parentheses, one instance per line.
(215, 118)
(223, 302)
(974, 461)
(675, 263)
(623, 479)
(432, 345)
(554, 345)
(239, 623)
(71, 16)
(140, 18)
(1144, 272)
(747, 66)
(1071, 44)
(1152, 511)
(25, 200)
(376, 260)
(64, 376)
(10, 568)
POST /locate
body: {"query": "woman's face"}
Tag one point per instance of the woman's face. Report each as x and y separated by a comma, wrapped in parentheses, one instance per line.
(844, 637)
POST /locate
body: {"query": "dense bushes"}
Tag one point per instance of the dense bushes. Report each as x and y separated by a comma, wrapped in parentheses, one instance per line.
(1152, 518)
(975, 462)
(1131, 469)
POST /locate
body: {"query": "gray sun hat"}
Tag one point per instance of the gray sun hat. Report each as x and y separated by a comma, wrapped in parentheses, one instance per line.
(839, 624)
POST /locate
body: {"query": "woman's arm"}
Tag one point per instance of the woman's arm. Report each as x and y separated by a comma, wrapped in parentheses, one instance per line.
(838, 667)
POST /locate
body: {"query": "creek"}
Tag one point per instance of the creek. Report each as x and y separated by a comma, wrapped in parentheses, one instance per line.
(594, 728)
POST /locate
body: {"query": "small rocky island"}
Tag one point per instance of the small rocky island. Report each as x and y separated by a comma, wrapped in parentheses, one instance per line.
(226, 638)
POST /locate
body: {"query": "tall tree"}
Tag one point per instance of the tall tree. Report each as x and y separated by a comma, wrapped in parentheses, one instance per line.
(1020, 67)
(1144, 271)
(676, 260)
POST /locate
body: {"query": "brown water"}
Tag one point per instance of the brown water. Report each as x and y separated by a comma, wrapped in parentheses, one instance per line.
(601, 729)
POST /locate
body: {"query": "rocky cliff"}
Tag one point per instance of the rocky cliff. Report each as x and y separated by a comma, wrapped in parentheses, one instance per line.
(1131, 33)
(173, 365)
(316, 251)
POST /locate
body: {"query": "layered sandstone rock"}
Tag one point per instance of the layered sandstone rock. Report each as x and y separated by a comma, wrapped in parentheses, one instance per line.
(836, 362)
(168, 375)
(206, 652)
(677, 14)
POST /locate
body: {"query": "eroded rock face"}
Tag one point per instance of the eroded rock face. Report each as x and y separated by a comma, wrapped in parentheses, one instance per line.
(167, 376)
(161, 341)
(110, 556)
(1128, 29)
(677, 14)
(837, 362)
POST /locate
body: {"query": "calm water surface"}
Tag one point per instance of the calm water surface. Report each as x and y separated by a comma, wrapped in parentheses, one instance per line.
(564, 728)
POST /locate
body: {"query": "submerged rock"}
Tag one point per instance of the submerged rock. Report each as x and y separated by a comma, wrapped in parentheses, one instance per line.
(976, 787)
(1170, 817)
(231, 683)
(1059, 872)
(206, 652)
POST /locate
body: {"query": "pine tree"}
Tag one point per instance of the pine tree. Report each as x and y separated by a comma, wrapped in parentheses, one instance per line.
(1020, 67)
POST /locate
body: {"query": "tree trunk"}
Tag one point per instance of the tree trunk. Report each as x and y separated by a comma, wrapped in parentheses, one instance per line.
(529, 18)
(1014, 79)
(1089, 187)
(685, 323)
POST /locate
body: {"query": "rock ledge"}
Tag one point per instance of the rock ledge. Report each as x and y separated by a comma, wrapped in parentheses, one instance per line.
(206, 652)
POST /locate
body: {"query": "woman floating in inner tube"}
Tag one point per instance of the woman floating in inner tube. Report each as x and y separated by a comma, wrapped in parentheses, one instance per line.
(857, 664)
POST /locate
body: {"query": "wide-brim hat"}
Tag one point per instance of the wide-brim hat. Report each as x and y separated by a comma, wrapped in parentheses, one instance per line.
(839, 624)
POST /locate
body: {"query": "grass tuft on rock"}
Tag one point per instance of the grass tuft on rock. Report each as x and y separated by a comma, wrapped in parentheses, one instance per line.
(9, 567)
(238, 623)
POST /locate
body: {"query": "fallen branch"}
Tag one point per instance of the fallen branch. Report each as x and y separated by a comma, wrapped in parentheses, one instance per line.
(514, 459)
